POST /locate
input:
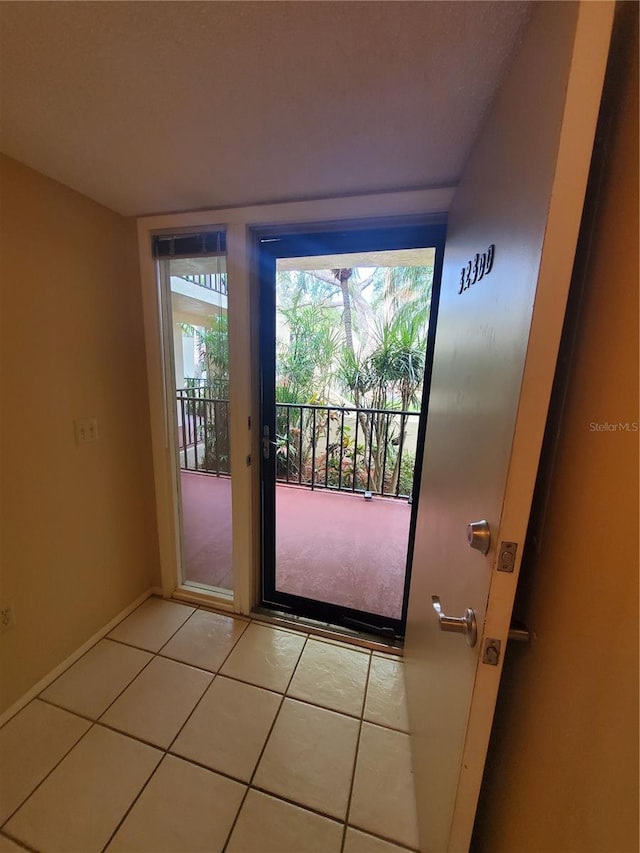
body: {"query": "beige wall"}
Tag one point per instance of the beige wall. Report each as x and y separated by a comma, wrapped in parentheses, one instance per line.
(78, 538)
(562, 773)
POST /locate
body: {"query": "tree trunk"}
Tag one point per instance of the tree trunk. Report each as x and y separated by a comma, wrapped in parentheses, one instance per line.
(343, 277)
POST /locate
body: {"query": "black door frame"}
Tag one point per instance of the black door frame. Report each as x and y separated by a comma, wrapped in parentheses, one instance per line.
(271, 244)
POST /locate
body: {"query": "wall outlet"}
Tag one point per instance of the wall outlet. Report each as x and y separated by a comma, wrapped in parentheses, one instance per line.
(7, 617)
(86, 429)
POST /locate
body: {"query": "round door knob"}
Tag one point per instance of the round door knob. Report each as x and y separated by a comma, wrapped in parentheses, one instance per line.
(479, 536)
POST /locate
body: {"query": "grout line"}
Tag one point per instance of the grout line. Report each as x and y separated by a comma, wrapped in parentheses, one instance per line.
(167, 751)
(215, 675)
(192, 712)
(385, 838)
(207, 767)
(133, 802)
(43, 683)
(297, 804)
(21, 844)
(65, 671)
(355, 757)
(142, 740)
(46, 776)
(264, 746)
(312, 704)
(179, 628)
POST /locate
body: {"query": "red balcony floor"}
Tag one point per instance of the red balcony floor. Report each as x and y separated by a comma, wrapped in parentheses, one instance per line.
(331, 546)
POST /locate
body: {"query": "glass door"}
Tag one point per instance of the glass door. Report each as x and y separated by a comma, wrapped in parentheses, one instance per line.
(195, 306)
(348, 321)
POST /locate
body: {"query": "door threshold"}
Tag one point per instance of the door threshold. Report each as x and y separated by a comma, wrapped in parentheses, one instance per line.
(221, 599)
(328, 631)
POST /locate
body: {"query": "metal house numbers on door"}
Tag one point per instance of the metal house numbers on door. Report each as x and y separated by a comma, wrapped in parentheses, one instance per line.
(475, 269)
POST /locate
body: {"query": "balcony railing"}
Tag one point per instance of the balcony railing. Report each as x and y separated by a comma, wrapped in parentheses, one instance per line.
(346, 449)
(203, 431)
(215, 282)
(338, 448)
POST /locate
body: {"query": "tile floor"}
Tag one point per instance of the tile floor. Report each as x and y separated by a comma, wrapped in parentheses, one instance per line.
(187, 730)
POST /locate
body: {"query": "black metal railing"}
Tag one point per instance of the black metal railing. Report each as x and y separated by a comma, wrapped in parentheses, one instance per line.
(338, 448)
(203, 431)
(216, 282)
(217, 389)
(346, 449)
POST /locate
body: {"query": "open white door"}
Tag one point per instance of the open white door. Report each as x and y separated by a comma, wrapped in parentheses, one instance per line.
(512, 230)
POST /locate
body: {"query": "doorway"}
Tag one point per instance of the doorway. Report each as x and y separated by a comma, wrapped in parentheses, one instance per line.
(347, 325)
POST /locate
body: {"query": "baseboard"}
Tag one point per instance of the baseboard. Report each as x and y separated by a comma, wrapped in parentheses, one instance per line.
(19, 704)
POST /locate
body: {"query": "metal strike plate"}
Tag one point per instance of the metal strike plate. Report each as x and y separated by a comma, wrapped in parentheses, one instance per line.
(507, 558)
(491, 651)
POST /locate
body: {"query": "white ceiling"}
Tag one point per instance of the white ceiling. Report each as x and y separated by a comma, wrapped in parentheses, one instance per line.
(150, 107)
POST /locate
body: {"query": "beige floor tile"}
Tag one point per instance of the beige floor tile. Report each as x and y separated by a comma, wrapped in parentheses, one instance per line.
(331, 676)
(157, 703)
(31, 744)
(309, 757)
(383, 800)
(229, 727)
(298, 632)
(81, 803)
(388, 655)
(152, 624)
(344, 644)
(268, 825)
(205, 640)
(9, 846)
(93, 682)
(183, 808)
(361, 842)
(265, 656)
(386, 699)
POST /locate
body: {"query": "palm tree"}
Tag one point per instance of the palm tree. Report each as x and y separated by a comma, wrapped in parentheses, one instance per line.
(213, 342)
(303, 375)
(377, 365)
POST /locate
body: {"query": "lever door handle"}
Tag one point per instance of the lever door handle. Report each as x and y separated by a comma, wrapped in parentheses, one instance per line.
(457, 624)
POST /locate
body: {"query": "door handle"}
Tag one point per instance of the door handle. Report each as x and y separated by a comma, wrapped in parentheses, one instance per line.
(457, 624)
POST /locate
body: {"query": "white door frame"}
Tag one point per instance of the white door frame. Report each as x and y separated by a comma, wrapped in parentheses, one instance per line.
(243, 366)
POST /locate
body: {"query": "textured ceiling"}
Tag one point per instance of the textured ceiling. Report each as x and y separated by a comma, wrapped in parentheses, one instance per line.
(151, 107)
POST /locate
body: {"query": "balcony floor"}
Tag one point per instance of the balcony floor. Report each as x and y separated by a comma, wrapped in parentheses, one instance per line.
(331, 546)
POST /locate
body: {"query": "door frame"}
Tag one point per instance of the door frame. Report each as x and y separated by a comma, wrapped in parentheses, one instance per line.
(186, 589)
(399, 233)
(240, 225)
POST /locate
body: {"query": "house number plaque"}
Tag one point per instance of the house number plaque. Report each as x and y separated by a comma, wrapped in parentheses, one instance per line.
(475, 269)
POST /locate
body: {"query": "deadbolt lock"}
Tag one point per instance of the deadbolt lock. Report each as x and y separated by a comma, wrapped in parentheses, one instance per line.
(479, 535)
